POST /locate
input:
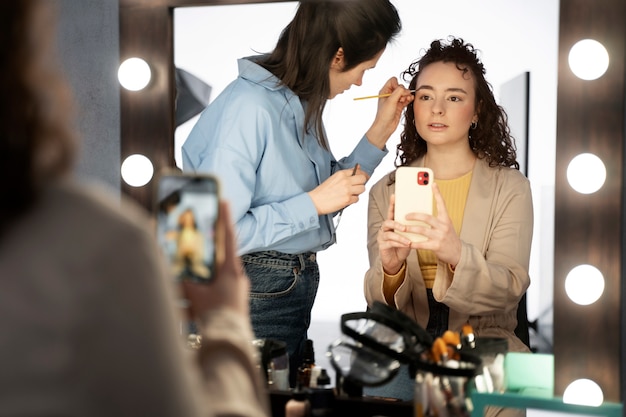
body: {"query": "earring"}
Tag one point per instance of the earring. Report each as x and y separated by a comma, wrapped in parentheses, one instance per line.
(473, 125)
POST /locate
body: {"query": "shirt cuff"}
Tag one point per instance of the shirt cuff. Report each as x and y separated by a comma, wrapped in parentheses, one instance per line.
(391, 283)
(370, 156)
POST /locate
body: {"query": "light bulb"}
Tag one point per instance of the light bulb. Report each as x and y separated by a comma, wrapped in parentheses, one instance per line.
(583, 392)
(584, 284)
(586, 173)
(137, 170)
(588, 59)
(134, 74)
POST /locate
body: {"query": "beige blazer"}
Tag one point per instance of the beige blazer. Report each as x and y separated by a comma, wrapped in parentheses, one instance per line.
(492, 274)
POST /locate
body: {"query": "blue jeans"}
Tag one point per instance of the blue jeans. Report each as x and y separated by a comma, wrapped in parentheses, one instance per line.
(282, 291)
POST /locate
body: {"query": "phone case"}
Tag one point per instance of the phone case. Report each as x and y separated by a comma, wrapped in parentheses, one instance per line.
(414, 193)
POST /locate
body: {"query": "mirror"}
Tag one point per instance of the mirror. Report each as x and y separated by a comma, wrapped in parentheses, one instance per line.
(512, 51)
(525, 35)
(498, 29)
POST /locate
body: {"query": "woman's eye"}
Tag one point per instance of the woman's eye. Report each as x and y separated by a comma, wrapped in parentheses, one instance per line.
(424, 97)
(455, 98)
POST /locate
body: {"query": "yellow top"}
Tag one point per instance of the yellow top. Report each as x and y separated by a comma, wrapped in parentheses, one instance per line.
(454, 193)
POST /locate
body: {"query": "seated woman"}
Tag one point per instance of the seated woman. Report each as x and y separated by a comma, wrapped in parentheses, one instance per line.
(473, 266)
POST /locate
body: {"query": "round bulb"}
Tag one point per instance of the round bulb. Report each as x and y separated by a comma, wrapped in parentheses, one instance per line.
(137, 170)
(586, 173)
(134, 74)
(584, 284)
(583, 392)
(588, 59)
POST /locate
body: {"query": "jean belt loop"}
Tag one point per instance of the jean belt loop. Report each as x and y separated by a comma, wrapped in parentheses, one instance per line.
(302, 261)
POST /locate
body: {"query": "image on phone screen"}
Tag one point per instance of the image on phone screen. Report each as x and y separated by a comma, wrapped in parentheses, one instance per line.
(187, 210)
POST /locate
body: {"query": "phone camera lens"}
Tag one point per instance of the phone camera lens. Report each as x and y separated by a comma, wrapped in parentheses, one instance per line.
(425, 174)
(425, 182)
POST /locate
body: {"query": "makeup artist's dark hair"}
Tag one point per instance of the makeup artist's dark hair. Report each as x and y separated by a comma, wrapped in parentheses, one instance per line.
(491, 138)
(306, 47)
(37, 142)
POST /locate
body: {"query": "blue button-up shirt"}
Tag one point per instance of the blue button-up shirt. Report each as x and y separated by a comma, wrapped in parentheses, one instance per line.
(252, 138)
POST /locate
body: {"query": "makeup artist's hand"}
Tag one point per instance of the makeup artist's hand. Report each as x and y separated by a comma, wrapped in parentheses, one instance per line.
(389, 112)
(392, 247)
(340, 190)
(230, 286)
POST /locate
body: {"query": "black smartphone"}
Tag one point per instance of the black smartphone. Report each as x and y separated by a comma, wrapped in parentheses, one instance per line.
(187, 208)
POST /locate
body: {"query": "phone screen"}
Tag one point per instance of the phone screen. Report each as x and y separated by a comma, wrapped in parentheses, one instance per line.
(187, 210)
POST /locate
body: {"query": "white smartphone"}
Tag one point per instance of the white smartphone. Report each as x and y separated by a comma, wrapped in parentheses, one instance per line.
(414, 194)
(187, 209)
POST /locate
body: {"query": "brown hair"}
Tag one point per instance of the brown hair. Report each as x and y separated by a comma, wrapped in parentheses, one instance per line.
(490, 139)
(37, 143)
(306, 47)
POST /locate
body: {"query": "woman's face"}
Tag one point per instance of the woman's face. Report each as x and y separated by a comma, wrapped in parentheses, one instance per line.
(444, 105)
(187, 219)
(340, 80)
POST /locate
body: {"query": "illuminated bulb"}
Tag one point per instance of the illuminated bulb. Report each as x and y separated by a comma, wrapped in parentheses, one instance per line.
(134, 74)
(583, 392)
(588, 59)
(584, 284)
(137, 170)
(586, 173)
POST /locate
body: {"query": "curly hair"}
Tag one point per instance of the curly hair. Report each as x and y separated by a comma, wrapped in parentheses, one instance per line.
(37, 141)
(491, 138)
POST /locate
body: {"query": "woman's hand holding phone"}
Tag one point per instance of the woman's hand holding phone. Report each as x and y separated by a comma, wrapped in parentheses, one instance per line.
(441, 237)
(197, 238)
(410, 224)
(392, 247)
(437, 233)
(230, 287)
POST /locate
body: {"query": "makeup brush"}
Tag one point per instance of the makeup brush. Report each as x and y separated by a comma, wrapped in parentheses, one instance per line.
(378, 96)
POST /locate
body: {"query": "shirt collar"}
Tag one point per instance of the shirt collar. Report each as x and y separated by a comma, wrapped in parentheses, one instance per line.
(250, 70)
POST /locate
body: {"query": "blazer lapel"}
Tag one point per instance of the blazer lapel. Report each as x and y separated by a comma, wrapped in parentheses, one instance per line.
(479, 205)
(476, 218)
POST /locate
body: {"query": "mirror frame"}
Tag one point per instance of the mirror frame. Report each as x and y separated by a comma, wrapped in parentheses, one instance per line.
(147, 116)
(586, 230)
(589, 340)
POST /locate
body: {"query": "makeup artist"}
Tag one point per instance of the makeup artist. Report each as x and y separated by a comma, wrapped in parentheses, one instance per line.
(264, 137)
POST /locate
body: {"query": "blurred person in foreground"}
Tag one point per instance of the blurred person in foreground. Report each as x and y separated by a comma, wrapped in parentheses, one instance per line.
(87, 311)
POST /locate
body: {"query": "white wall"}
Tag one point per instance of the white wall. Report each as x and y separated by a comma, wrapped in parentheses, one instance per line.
(514, 36)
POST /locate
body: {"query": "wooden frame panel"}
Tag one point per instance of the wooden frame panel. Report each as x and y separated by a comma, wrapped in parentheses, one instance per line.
(589, 229)
(590, 118)
(147, 116)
